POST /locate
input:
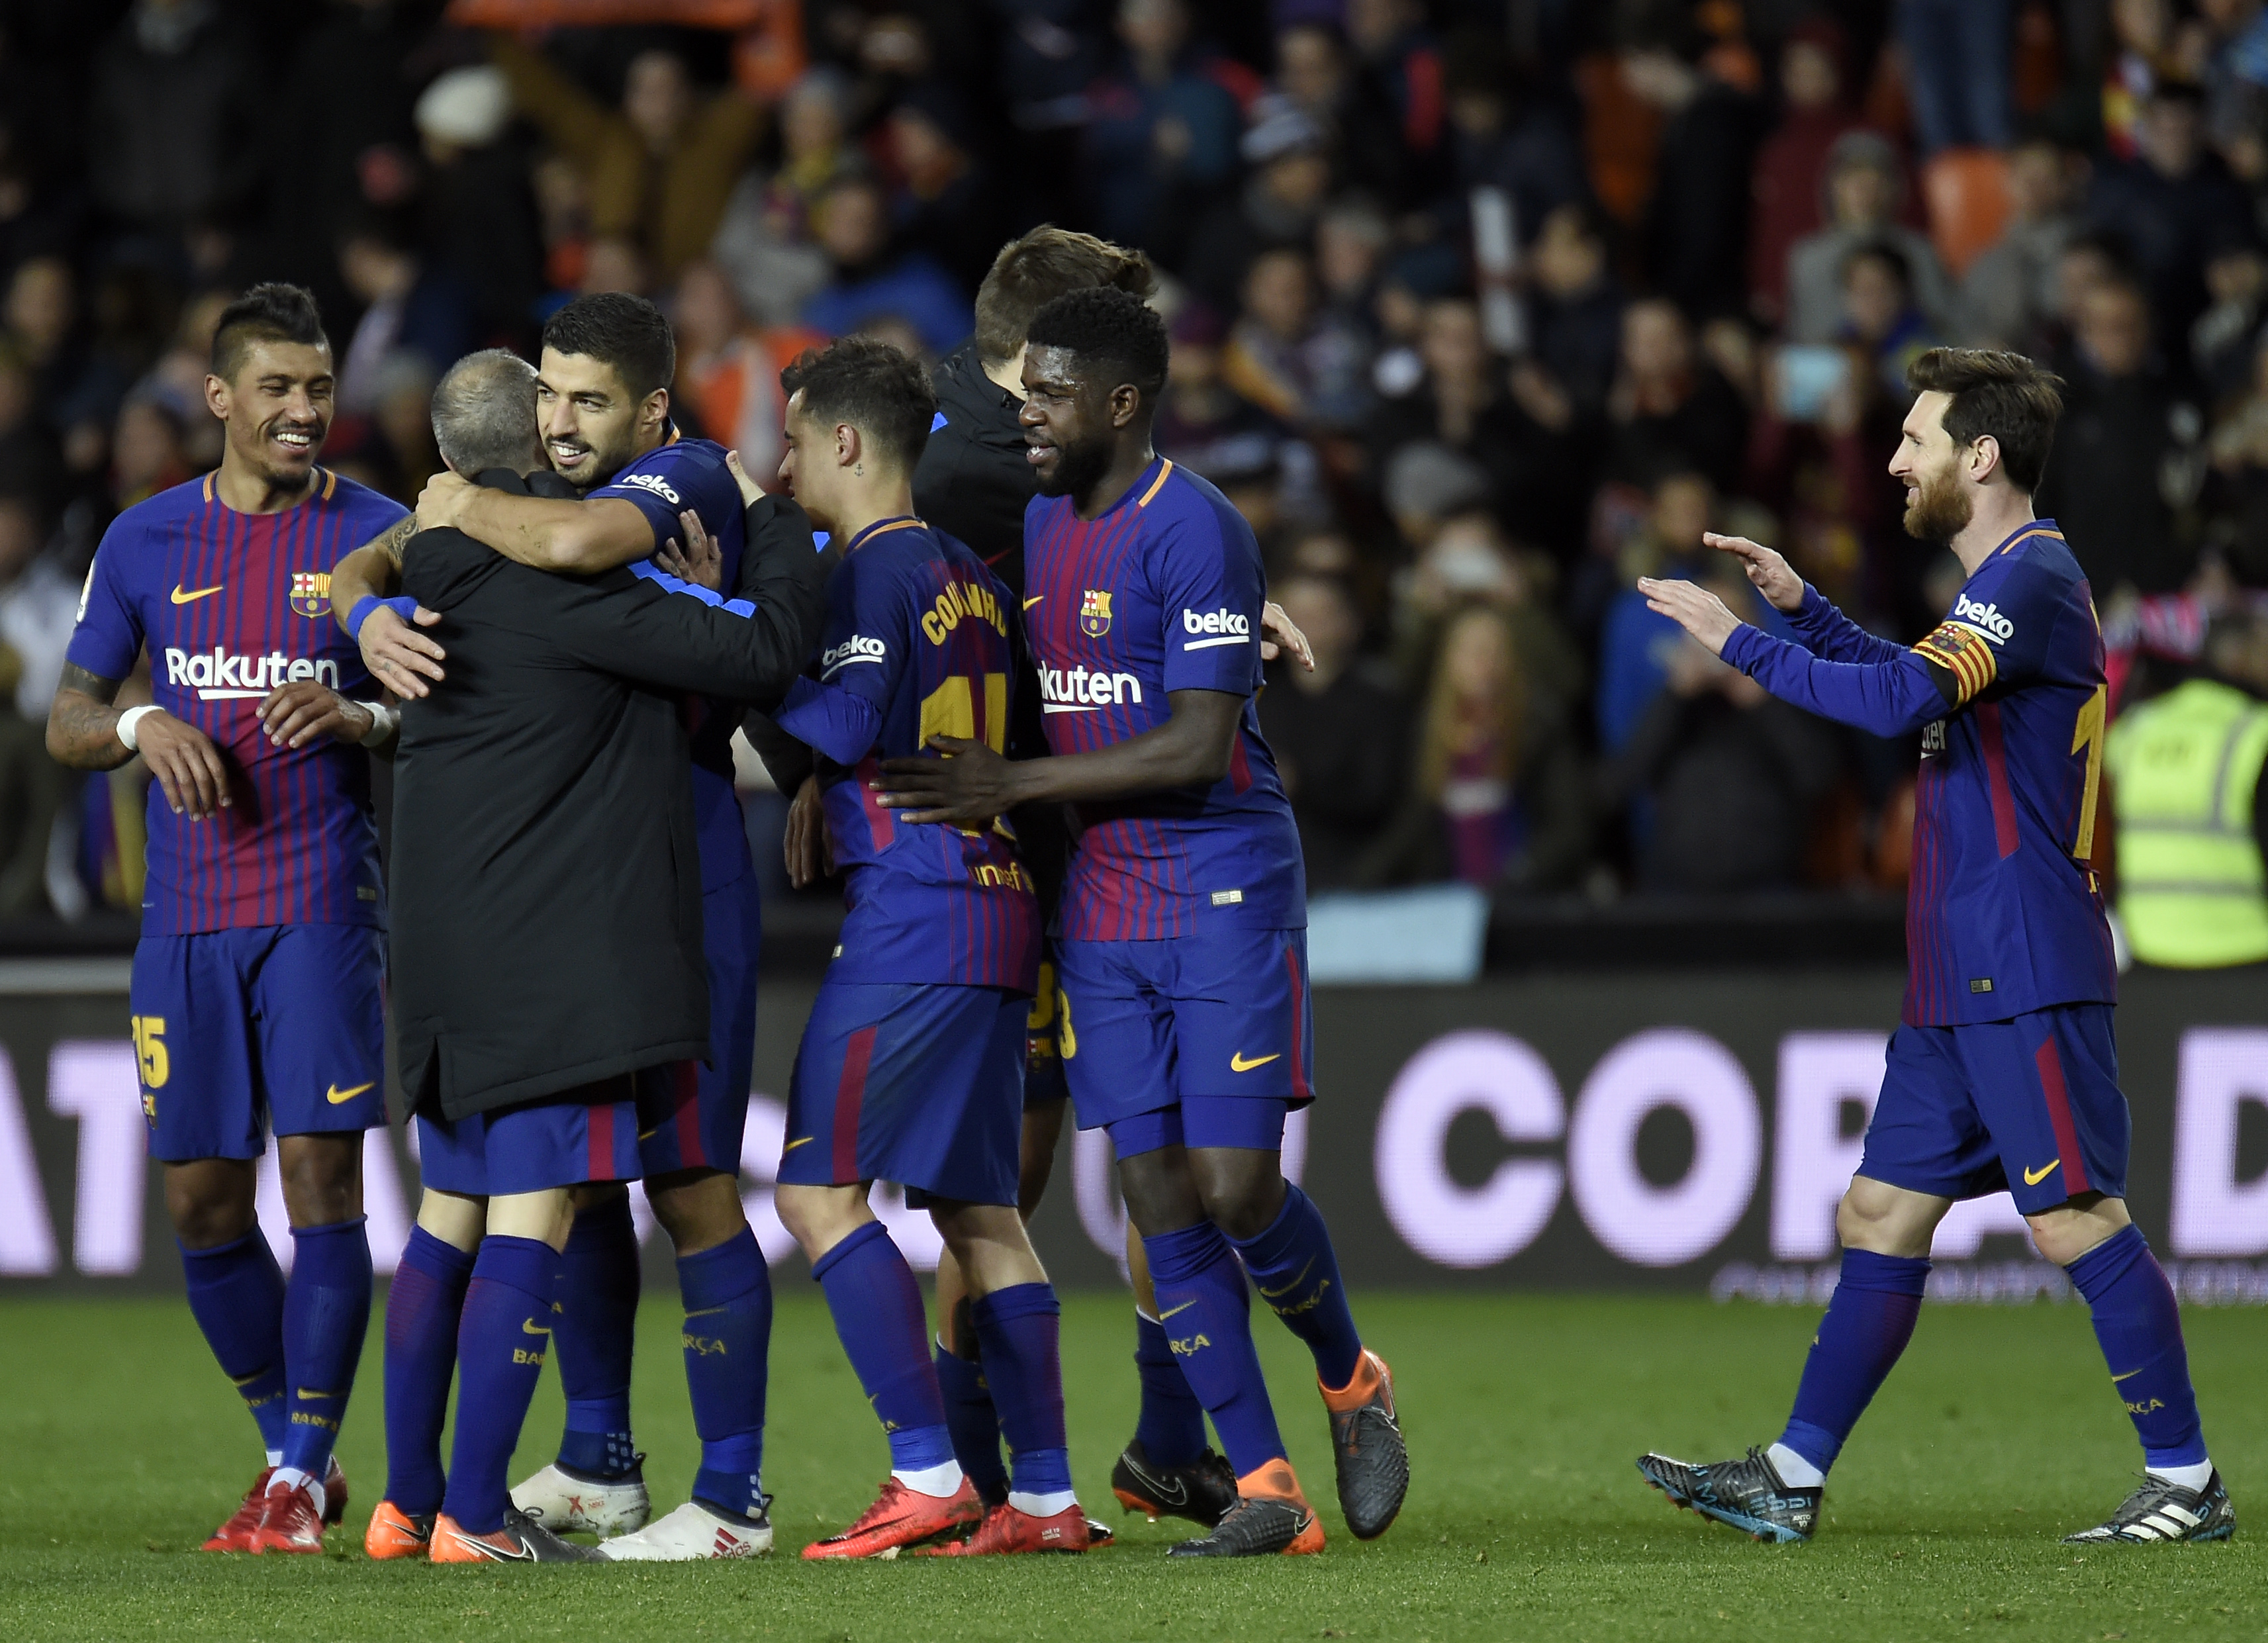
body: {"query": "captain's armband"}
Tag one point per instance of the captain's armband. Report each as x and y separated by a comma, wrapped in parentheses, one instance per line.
(1961, 661)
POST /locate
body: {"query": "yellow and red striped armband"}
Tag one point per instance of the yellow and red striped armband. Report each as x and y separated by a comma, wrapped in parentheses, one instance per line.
(1963, 653)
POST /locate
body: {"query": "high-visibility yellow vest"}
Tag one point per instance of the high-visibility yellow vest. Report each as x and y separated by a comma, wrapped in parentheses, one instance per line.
(2191, 888)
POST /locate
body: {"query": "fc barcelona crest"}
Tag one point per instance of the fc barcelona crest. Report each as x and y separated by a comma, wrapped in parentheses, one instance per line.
(311, 593)
(1093, 612)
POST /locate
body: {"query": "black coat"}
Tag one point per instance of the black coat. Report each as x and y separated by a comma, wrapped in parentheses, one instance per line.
(546, 885)
(974, 481)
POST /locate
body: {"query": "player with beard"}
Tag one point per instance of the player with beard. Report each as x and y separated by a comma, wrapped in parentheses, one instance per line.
(660, 502)
(2003, 1075)
(1180, 942)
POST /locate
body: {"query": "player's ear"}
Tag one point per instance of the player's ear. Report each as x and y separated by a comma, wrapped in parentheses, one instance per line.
(217, 395)
(1984, 457)
(1125, 400)
(655, 411)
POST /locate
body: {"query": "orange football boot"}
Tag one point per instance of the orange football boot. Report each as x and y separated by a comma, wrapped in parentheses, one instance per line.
(393, 1533)
(1271, 1516)
(902, 1517)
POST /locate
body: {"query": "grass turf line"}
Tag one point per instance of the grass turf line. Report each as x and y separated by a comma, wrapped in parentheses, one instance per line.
(125, 1446)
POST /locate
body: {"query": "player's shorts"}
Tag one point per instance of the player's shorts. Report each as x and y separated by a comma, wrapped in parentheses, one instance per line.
(1044, 1071)
(281, 1026)
(563, 1141)
(919, 1085)
(2029, 1106)
(692, 1116)
(1150, 1026)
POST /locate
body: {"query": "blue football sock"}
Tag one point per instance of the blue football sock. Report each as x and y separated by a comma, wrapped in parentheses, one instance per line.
(423, 1306)
(1019, 1327)
(1207, 1318)
(236, 1295)
(973, 1421)
(1296, 1272)
(326, 1316)
(596, 1328)
(1171, 1428)
(727, 1293)
(1867, 1324)
(501, 1340)
(878, 1314)
(2139, 1324)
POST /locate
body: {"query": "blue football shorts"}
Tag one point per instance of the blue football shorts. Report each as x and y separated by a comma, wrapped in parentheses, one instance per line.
(692, 1116)
(2029, 1106)
(579, 1135)
(280, 1027)
(922, 1084)
(1215, 1027)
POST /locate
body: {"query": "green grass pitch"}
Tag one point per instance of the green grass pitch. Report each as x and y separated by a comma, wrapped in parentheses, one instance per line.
(120, 1447)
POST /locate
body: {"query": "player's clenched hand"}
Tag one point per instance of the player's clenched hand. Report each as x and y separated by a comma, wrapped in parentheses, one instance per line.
(185, 764)
(970, 787)
(1277, 636)
(700, 560)
(810, 853)
(1771, 574)
(438, 503)
(750, 490)
(398, 656)
(295, 714)
(1693, 608)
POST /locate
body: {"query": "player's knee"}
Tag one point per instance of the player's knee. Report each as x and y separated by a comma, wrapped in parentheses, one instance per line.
(1161, 1195)
(321, 1177)
(1242, 1190)
(698, 1212)
(211, 1201)
(819, 1218)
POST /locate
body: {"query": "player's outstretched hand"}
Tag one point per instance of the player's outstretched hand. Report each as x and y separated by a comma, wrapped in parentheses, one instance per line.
(295, 714)
(1277, 636)
(437, 503)
(1693, 608)
(1771, 574)
(398, 656)
(810, 853)
(188, 766)
(750, 490)
(700, 560)
(969, 787)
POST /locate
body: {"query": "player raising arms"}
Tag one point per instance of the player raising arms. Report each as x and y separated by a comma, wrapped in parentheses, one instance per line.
(2002, 1074)
(256, 986)
(1181, 941)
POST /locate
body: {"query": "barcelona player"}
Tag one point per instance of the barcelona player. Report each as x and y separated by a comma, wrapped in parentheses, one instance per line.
(2003, 1074)
(1181, 944)
(255, 997)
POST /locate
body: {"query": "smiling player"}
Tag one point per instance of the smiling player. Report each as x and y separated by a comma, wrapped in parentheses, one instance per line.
(255, 994)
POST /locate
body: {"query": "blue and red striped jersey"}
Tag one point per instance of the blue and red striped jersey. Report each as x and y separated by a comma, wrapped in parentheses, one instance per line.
(917, 643)
(1163, 592)
(233, 605)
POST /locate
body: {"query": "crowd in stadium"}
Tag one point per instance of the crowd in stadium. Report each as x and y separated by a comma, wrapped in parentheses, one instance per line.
(1480, 310)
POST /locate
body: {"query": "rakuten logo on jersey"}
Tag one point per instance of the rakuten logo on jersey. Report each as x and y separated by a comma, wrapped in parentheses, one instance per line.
(1987, 617)
(654, 482)
(1213, 628)
(218, 675)
(1083, 690)
(857, 648)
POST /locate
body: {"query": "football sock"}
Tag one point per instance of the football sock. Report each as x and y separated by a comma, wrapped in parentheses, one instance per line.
(423, 1305)
(1019, 1327)
(1208, 1319)
(236, 1295)
(2139, 1324)
(1867, 1325)
(1293, 1268)
(973, 1421)
(501, 1340)
(326, 1316)
(727, 1293)
(1171, 1429)
(596, 1328)
(878, 1314)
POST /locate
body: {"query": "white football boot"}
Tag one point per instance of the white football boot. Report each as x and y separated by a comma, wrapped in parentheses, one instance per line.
(564, 1503)
(690, 1534)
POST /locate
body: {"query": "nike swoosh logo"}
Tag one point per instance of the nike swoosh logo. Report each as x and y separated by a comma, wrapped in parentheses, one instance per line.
(2033, 1177)
(1267, 1294)
(1184, 1307)
(495, 1553)
(1238, 1063)
(180, 598)
(528, 1326)
(643, 1134)
(799, 1141)
(2129, 1375)
(1168, 1492)
(1034, 600)
(313, 1396)
(337, 1096)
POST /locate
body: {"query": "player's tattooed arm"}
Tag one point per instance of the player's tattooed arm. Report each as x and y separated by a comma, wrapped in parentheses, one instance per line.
(542, 533)
(295, 714)
(82, 732)
(1193, 747)
(398, 656)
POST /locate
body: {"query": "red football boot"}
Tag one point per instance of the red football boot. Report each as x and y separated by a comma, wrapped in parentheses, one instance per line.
(289, 1521)
(1005, 1529)
(902, 1517)
(236, 1533)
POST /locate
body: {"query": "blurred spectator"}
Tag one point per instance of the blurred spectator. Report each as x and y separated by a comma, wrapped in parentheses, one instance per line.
(1279, 206)
(728, 373)
(1161, 138)
(30, 458)
(1879, 316)
(2239, 453)
(350, 81)
(1339, 734)
(1309, 368)
(177, 380)
(1864, 187)
(2222, 341)
(1205, 425)
(1576, 305)
(1670, 409)
(872, 280)
(2142, 54)
(175, 131)
(479, 214)
(409, 309)
(765, 242)
(947, 200)
(38, 606)
(2009, 292)
(2174, 205)
(2124, 467)
(147, 454)
(1791, 174)
(76, 392)
(661, 167)
(1696, 232)
(1468, 558)
(1958, 58)
(1499, 140)
(1315, 74)
(1635, 643)
(1401, 67)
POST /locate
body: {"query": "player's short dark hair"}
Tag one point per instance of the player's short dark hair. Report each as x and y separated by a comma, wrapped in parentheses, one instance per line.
(2014, 399)
(1033, 271)
(1109, 329)
(484, 414)
(880, 390)
(620, 330)
(273, 312)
